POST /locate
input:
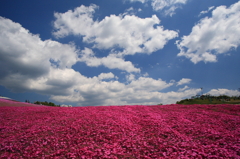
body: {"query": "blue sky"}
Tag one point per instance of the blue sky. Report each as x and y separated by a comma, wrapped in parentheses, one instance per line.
(118, 52)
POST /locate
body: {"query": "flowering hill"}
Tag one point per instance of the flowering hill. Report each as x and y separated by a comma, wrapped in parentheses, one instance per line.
(167, 131)
(13, 103)
(209, 99)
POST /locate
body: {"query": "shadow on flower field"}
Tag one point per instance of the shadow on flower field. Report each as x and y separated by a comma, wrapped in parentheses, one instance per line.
(166, 131)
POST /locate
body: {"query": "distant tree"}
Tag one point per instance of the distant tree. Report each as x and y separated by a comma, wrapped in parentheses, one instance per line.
(51, 104)
(223, 97)
(47, 103)
(37, 102)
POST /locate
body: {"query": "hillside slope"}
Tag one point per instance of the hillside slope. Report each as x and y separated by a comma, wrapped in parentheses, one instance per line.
(167, 131)
(12, 103)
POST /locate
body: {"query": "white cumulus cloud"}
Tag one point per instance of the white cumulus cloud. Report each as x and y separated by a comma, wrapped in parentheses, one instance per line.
(111, 61)
(106, 76)
(149, 84)
(212, 36)
(130, 77)
(184, 81)
(78, 21)
(130, 33)
(206, 11)
(182, 89)
(167, 6)
(217, 92)
(24, 56)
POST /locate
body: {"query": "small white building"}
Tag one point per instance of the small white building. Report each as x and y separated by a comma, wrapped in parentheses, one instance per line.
(63, 105)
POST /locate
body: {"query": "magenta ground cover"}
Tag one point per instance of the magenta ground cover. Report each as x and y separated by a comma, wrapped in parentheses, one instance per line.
(168, 131)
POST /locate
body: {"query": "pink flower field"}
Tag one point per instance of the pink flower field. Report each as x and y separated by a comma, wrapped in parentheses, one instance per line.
(166, 131)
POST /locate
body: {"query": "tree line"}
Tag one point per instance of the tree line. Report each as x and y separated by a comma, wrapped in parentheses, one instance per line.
(46, 103)
(210, 98)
